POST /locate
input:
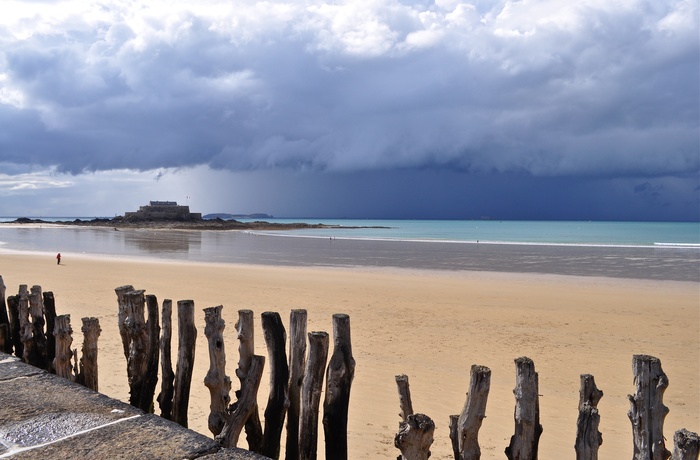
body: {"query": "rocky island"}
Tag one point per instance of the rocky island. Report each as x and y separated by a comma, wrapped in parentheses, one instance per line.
(169, 215)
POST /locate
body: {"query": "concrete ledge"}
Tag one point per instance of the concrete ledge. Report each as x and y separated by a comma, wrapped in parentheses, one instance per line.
(45, 416)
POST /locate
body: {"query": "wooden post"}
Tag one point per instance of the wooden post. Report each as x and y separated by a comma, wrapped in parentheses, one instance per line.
(465, 434)
(5, 330)
(25, 326)
(405, 402)
(415, 437)
(278, 400)
(297, 362)
(341, 371)
(64, 338)
(36, 308)
(246, 350)
(246, 404)
(50, 314)
(216, 380)
(88, 363)
(311, 395)
(150, 376)
(647, 411)
(13, 310)
(165, 397)
(686, 445)
(121, 316)
(137, 336)
(525, 441)
(187, 338)
(588, 438)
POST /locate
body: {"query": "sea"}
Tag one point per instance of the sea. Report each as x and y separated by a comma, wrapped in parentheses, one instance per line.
(643, 250)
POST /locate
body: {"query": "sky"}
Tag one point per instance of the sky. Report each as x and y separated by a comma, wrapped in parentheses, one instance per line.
(443, 109)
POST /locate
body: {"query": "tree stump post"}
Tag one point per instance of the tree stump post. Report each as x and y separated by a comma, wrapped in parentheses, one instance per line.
(150, 377)
(278, 400)
(415, 437)
(50, 314)
(64, 355)
(405, 402)
(137, 362)
(297, 362)
(15, 328)
(525, 441)
(311, 395)
(216, 380)
(25, 326)
(5, 330)
(246, 404)
(686, 445)
(647, 411)
(187, 338)
(588, 438)
(88, 375)
(464, 428)
(121, 316)
(246, 349)
(341, 371)
(165, 397)
(36, 309)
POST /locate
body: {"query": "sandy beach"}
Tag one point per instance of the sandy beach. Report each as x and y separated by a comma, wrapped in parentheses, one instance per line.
(431, 325)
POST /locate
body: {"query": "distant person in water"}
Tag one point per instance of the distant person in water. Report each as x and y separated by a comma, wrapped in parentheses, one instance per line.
(58, 258)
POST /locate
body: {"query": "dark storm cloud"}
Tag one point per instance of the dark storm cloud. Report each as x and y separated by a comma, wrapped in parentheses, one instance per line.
(542, 88)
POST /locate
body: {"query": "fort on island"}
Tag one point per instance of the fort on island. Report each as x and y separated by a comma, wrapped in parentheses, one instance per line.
(163, 210)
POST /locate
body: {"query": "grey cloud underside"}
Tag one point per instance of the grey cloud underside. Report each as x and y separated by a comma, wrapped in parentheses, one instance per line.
(615, 97)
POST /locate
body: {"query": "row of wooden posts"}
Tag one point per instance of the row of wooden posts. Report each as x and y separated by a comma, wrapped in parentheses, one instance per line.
(31, 329)
(647, 413)
(34, 332)
(296, 382)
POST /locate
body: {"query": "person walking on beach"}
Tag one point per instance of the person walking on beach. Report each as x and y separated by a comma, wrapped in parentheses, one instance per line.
(58, 259)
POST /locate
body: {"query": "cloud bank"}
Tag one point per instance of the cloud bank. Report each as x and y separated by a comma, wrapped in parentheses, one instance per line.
(543, 88)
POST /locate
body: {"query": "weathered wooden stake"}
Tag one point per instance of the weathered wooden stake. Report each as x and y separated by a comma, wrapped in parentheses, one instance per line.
(525, 441)
(216, 380)
(246, 404)
(686, 445)
(50, 314)
(36, 309)
(121, 316)
(588, 438)
(297, 361)
(5, 330)
(13, 310)
(311, 395)
(137, 336)
(88, 375)
(415, 437)
(187, 338)
(278, 400)
(647, 411)
(64, 355)
(150, 377)
(246, 349)
(405, 402)
(341, 371)
(165, 397)
(465, 433)
(25, 326)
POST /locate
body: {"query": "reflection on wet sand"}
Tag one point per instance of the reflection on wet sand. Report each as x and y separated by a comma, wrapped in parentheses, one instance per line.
(162, 242)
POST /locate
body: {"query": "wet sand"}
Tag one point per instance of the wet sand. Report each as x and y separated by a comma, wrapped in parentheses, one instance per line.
(241, 247)
(429, 324)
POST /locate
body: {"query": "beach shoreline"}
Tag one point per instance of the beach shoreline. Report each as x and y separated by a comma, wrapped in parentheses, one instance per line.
(429, 324)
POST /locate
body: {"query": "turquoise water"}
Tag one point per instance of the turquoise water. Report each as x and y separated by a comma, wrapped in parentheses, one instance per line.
(657, 234)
